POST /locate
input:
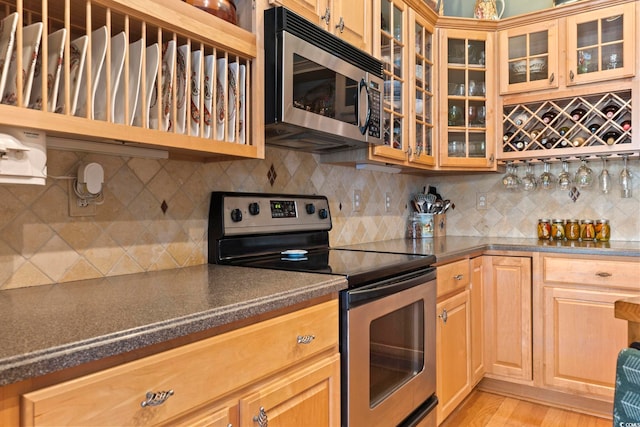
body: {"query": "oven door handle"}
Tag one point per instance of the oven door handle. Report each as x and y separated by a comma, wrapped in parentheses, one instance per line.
(388, 287)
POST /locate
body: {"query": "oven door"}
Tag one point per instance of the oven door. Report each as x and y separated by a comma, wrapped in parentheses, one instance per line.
(389, 350)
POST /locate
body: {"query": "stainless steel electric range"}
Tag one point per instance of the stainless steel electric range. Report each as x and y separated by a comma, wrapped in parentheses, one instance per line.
(387, 314)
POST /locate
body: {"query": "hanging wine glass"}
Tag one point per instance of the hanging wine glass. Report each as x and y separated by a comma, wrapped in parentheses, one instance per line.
(604, 179)
(529, 180)
(564, 179)
(625, 179)
(584, 174)
(547, 180)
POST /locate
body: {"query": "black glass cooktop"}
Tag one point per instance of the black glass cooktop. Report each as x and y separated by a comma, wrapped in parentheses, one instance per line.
(359, 267)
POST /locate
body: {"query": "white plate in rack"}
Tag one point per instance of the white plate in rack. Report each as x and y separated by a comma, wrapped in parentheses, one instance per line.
(135, 69)
(98, 52)
(7, 39)
(209, 65)
(195, 116)
(221, 84)
(150, 73)
(233, 99)
(31, 36)
(76, 59)
(242, 80)
(55, 42)
(168, 68)
(118, 51)
(181, 88)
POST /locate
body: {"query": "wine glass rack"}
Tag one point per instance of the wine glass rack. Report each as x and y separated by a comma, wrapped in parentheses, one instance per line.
(593, 124)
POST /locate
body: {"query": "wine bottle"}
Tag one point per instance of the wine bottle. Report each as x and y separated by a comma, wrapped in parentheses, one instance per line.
(611, 137)
(593, 127)
(550, 143)
(564, 131)
(521, 119)
(507, 136)
(520, 145)
(626, 125)
(536, 133)
(578, 113)
(564, 143)
(610, 110)
(548, 117)
(578, 141)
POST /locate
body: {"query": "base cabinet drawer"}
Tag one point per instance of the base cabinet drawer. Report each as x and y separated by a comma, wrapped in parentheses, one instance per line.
(162, 387)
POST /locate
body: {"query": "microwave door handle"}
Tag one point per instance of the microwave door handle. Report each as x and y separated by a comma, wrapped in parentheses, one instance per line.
(363, 128)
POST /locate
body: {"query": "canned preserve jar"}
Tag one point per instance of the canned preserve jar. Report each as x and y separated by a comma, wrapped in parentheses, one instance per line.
(587, 230)
(544, 229)
(603, 230)
(557, 229)
(572, 229)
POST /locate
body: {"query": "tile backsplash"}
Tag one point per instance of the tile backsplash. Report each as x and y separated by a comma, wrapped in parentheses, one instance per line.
(40, 243)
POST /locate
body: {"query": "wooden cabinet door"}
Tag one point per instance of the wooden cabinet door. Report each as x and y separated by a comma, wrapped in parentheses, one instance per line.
(601, 44)
(476, 298)
(582, 339)
(316, 11)
(218, 415)
(529, 57)
(468, 96)
(351, 21)
(452, 353)
(508, 330)
(308, 396)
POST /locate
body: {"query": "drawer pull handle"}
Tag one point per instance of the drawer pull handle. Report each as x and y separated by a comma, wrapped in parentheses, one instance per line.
(444, 316)
(305, 339)
(458, 277)
(604, 274)
(261, 418)
(156, 399)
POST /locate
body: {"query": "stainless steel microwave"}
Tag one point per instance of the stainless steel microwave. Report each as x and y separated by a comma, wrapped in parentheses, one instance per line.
(321, 93)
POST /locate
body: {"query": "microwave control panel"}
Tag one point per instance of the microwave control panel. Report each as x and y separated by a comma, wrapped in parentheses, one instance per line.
(375, 101)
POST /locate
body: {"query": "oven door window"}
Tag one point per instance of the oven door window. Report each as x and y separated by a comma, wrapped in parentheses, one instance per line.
(396, 350)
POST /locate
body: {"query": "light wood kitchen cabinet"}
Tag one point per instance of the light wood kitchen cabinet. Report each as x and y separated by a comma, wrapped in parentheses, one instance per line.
(476, 318)
(298, 367)
(601, 44)
(529, 57)
(175, 124)
(453, 378)
(508, 323)
(348, 19)
(581, 336)
(467, 102)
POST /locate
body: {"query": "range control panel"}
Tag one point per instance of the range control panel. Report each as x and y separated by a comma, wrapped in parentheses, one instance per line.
(255, 213)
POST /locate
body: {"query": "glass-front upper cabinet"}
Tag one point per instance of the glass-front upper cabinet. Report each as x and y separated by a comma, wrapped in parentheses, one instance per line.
(468, 101)
(422, 150)
(529, 58)
(601, 44)
(393, 51)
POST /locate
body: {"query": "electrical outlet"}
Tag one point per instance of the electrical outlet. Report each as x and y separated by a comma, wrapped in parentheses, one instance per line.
(357, 200)
(482, 201)
(76, 207)
(387, 202)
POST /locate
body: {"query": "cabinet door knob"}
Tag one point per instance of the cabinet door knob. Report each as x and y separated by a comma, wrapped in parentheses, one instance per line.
(261, 418)
(340, 25)
(326, 16)
(571, 75)
(305, 339)
(458, 277)
(553, 77)
(603, 274)
(444, 315)
(156, 399)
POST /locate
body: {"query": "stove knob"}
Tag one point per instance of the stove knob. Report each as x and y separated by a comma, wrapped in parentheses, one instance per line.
(236, 215)
(311, 208)
(254, 208)
(323, 214)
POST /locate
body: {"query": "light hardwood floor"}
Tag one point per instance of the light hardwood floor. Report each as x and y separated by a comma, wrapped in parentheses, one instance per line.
(482, 409)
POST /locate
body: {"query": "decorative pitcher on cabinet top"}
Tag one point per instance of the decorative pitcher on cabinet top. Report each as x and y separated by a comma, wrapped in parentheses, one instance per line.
(487, 9)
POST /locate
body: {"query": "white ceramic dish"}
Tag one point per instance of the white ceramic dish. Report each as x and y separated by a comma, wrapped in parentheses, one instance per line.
(31, 36)
(135, 70)
(194, 117)
(55, 41)
(7, 39)
(151, 73)
(98, 53)
(76, 71)
(181, 88)
(242, 103)
(209, 66)
(294, 253)
(118, 50)
(233, 99)
(168, 68)
(221, 85)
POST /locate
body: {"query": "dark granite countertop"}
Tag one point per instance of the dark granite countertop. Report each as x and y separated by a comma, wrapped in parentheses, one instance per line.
(49, 328)
(451, 247)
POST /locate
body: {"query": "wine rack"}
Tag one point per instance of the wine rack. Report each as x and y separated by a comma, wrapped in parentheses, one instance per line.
(594, 124)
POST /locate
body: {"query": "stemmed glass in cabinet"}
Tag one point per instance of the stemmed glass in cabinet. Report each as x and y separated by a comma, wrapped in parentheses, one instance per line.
(625, 179)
